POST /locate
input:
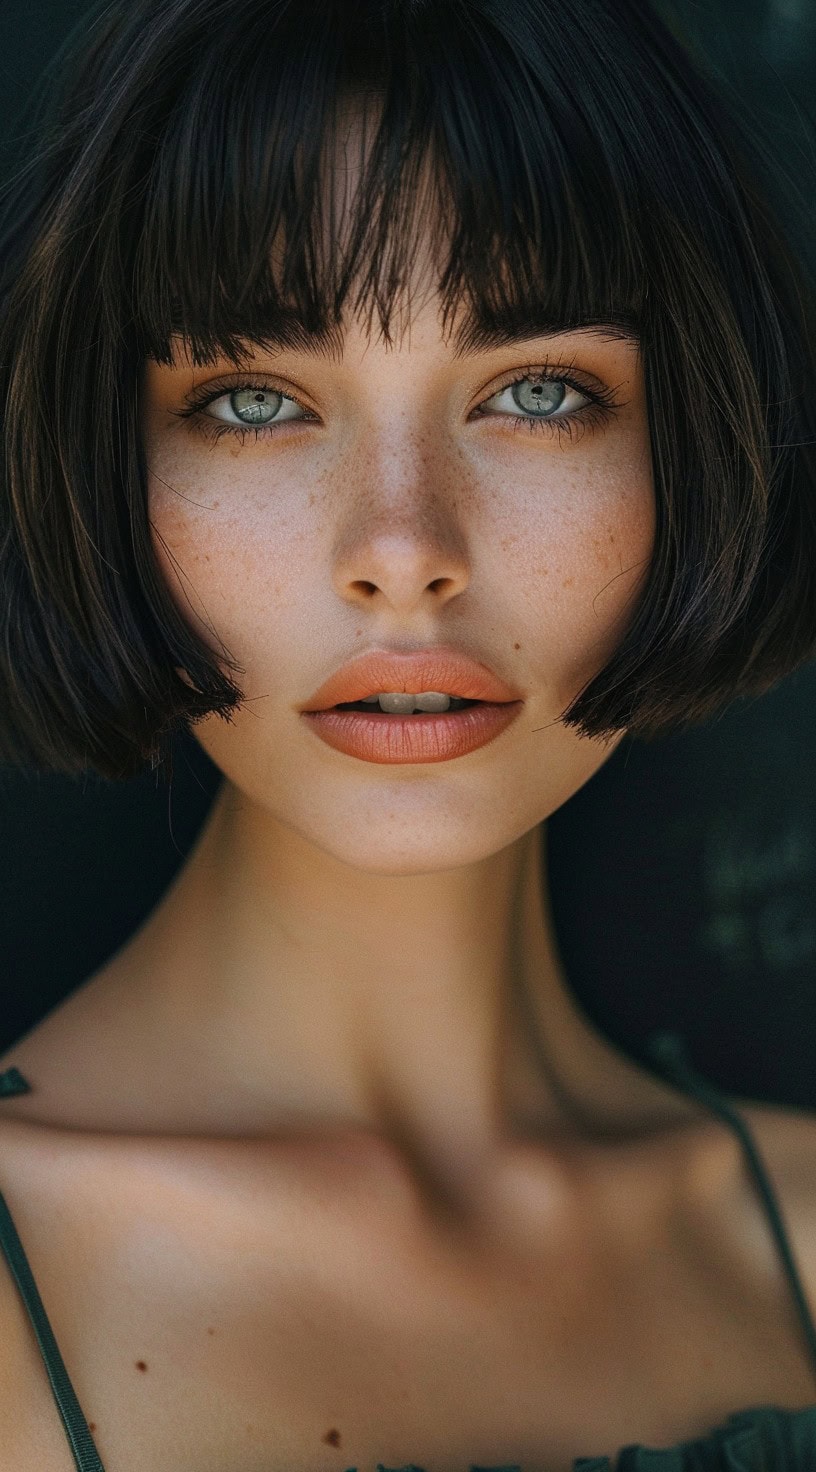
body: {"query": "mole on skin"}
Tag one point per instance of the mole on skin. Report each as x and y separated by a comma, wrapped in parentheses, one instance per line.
(140, 1365)
(332, 1438)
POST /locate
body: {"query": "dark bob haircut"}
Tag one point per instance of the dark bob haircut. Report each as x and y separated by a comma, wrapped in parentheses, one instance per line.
(581, 173)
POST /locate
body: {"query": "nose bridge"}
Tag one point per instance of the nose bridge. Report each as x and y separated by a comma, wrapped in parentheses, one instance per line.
(403, 466)
(401, 409)
(398, 526)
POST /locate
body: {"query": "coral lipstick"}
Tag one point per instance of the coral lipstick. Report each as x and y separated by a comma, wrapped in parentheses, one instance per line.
(374, 735)
(377, 737)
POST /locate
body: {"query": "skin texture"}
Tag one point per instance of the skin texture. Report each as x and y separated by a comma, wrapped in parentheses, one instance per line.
(351, 933)
(294, 1141)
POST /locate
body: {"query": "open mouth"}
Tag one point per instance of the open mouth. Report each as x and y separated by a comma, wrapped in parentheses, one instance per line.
(358, 728)
(366, 708)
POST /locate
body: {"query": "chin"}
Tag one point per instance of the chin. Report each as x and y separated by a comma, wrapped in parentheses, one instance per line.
(395, 853)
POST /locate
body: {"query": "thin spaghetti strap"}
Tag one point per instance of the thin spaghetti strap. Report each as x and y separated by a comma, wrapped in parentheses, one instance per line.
(77, 1430)
(667, 1049)
(12, 1082)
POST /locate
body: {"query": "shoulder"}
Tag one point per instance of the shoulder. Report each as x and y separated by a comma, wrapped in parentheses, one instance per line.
(192, 1263)
(32, 1433)
(785, 1140)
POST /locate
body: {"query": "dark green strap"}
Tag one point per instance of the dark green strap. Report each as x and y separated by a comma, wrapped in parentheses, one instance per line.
(86, 1456)
(668, 1051)
(12, 1082)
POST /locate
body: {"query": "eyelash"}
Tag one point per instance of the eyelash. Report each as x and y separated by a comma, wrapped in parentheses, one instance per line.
(603, 404)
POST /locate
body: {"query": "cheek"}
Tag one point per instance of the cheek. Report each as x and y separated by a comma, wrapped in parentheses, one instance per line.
(214, 559)
(585, 562)
(569, 552)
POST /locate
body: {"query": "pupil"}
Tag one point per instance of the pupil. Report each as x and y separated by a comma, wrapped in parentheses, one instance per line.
(539, 397)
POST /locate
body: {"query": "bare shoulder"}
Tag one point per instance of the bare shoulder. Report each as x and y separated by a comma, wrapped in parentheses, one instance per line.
(32, 1432)
(785, 1139)
(181, 1278)
(217, 1299)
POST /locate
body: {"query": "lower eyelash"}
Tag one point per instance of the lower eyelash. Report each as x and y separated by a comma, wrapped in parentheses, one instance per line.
(214, 431)
(563, 424)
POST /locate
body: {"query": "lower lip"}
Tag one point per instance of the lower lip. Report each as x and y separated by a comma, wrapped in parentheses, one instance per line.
(418, 738)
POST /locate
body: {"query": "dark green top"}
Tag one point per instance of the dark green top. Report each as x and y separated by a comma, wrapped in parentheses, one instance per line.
(761, 1439)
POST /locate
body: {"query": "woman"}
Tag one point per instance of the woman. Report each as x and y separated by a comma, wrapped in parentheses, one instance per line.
(437, 369)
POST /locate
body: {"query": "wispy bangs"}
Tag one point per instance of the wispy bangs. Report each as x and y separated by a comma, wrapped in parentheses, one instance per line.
(308, 155)
(237, 175)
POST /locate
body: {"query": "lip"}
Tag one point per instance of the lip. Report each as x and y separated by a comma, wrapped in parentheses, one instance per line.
(392, 740)
(440, 668)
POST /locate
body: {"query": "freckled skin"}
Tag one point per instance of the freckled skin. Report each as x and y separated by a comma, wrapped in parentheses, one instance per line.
(273, 542)
(396, 515)
(333, 979)
(345, 943)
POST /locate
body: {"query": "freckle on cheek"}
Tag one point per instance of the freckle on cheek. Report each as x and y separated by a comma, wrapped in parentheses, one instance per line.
(140, 1365)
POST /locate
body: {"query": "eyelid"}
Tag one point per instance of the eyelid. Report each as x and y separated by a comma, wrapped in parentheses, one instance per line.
(561, 372)
(206, 394)
(602, 403)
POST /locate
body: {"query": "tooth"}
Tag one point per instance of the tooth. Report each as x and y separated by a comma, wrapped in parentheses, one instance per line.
(432, 700)
(397, 704)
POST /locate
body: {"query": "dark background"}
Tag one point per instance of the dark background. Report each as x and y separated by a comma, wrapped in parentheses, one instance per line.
(683, 875)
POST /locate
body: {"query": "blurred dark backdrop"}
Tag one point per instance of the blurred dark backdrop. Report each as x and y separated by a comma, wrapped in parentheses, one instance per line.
(683, 875)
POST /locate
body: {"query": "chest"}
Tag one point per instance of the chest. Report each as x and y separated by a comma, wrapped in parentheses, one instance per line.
(272, 1319)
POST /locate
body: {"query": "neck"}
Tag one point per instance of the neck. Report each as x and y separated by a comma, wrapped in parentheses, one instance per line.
(430, 1009)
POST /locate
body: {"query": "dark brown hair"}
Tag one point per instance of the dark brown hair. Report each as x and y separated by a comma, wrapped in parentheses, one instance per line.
(584, 172)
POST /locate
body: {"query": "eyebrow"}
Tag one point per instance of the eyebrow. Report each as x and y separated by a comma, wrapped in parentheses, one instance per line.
(291, 333)
(482, 337)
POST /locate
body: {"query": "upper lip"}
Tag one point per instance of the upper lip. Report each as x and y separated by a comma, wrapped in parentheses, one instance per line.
(441, 668)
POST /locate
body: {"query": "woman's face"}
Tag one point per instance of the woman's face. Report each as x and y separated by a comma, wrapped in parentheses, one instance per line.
(399, 498)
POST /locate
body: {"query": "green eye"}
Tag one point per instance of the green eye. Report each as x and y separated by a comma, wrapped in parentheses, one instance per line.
(539, 398)
(258, 409)
(255, 405)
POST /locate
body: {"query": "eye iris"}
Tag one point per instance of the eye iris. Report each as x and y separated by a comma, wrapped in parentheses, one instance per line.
(255, 406)
(540, 397)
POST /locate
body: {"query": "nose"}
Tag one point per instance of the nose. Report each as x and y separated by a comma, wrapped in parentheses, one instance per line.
(401, 541)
